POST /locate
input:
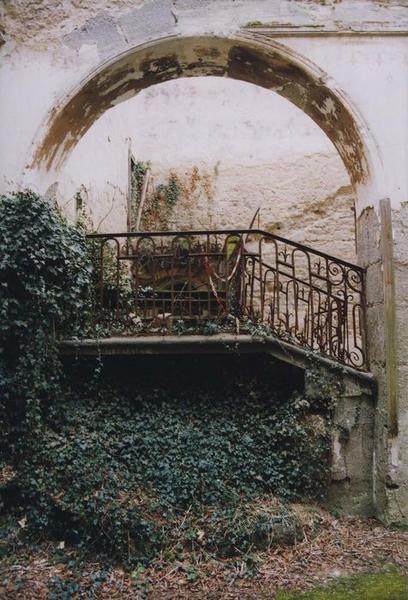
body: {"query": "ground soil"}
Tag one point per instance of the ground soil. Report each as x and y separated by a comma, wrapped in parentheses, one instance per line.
(341, 547)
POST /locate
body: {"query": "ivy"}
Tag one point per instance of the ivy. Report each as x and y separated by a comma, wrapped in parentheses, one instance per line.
(138, 171)
(127, 461)
(44, 273)
(134, 468)
(159, 202)
(170, 192)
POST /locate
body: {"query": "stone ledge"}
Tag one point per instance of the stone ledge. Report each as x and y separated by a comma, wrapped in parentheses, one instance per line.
(214, 344)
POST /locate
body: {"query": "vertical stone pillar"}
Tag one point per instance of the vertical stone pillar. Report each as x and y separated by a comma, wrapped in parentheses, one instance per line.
(383, 250)
(369, 253)
(352, 442)
(351, 489)
(397, 474)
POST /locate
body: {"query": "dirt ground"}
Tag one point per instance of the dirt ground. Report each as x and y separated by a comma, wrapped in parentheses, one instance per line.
(341, 547)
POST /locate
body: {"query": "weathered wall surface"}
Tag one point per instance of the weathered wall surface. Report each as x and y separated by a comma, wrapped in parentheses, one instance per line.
(398, 463)
(343, 62)
(233, 147)
(352, 444)
(47, 56)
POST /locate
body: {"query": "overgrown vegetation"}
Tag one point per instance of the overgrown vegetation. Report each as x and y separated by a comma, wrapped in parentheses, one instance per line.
(124, 462)
(138, 171)
(142, 467)
(159, 202)
(132, 469)
(44, 273)
(169, 193)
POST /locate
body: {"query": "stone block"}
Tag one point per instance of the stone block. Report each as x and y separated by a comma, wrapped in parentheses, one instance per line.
(352, 456)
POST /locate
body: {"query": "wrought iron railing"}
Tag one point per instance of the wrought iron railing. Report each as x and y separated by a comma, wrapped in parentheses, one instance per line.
(300, 295)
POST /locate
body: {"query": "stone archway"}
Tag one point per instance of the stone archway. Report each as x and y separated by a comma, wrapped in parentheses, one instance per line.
(246, 57)
(253, 58)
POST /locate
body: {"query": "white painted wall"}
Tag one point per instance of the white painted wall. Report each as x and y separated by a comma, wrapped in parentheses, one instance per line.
(49, 52)
(252, 147)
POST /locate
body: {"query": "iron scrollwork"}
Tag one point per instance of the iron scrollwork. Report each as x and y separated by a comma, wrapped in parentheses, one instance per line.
(302, 295)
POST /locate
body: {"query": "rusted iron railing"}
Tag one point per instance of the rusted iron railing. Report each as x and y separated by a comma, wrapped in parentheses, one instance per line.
(296, 293)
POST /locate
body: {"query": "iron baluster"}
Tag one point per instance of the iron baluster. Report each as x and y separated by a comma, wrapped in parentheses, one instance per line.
(305, 296)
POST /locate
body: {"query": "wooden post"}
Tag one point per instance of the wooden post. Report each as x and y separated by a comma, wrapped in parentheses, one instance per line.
(142, 199)
(390, 317)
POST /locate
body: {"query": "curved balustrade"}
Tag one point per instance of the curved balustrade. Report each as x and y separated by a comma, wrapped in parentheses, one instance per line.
(299, 294)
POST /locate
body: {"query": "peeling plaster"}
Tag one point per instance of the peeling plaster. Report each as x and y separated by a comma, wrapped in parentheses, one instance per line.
(134, 20)
(245, 59)
(54, 20)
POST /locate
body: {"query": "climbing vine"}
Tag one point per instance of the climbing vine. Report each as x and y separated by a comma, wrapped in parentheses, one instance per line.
(177, 198)
(159, 202)
(138, 171)
(44, 274)
(169, 193)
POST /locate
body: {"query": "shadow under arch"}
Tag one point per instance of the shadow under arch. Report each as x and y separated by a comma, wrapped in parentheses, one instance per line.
(246, 57)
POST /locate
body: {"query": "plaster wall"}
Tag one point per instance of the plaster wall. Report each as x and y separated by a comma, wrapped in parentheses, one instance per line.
(234, 147)
(45, 58)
